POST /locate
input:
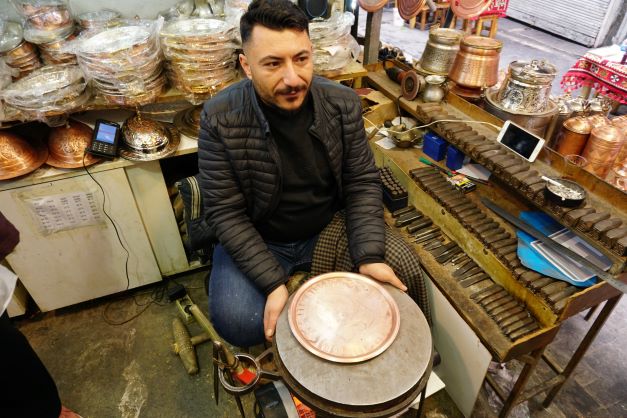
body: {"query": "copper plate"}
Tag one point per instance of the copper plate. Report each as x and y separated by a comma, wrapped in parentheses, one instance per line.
(187, 121)
(408, 9)
(18, 156)
(372, 5)
(67, 143)
(344, 317)
(467, 9)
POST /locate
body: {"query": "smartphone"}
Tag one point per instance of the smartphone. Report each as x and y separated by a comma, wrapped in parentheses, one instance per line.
(520, 141)
(105, 140)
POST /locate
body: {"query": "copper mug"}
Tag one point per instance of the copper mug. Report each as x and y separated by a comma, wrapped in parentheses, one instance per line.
(602, 149)
(477, 62)
(573, 136)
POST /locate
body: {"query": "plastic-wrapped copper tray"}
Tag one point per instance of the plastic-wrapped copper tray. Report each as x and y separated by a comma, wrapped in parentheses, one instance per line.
(344, 317)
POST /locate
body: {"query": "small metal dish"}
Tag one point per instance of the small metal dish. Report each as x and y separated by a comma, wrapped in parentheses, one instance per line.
(404, 138)
(570, 194)
(145, 139)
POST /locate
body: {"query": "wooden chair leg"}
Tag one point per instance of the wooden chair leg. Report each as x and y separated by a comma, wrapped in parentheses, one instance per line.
(494, 26)
(423, 19)
(479, 26)
(453, 23)
(465, 25)
(412, 22)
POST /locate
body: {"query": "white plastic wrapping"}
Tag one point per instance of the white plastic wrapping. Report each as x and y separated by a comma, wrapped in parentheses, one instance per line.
(124, 63)
(45, 20)
(200, 55)
(334, 46)
(50, 91)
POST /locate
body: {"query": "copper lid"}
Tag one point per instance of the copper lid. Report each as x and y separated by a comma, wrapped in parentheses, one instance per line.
(579, 124)
(481, 42)
(18, 156)
(467, 9)
(66, 145)
(620, 122)
(607, 133)
(535, 71)
(145, 139)
(598, 120)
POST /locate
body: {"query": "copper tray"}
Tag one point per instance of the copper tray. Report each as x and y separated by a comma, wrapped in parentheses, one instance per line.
(372, 5)
(468, 9)
(408, 9)
(344, 317)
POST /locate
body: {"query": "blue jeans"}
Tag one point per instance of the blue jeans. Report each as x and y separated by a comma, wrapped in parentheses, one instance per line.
(236, 305)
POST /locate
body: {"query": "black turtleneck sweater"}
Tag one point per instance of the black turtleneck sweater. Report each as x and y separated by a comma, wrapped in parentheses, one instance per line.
(309, 193)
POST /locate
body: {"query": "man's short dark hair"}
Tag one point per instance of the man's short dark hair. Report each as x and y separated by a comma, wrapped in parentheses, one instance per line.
(273, 14)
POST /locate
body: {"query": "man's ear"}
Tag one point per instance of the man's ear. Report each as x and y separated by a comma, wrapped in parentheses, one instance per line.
(244, 63)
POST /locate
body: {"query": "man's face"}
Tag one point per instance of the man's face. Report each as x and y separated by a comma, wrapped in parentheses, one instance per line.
(280, 64)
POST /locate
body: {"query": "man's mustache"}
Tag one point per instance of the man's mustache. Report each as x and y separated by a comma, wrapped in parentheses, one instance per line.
(292, 90)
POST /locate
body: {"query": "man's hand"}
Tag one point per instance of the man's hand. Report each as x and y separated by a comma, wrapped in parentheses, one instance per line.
(381, 272)
(274, 305)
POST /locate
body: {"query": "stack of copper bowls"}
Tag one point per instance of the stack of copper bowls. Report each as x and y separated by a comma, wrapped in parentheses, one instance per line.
(573, 136)
(476, 65)
(18, 53)
(19, 156)
(200, 55)
(602, 148)
(440, 51)
(66, 146)
(102, 19)
(54, 52)
(124, 64)
(52, 90)
(46, 20)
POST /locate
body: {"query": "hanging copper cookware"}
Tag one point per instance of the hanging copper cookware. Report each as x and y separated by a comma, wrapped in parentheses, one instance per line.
(408, 9)
(67, 143)
(372, 5)
(468, 9)
(19, 156)
(477, 62)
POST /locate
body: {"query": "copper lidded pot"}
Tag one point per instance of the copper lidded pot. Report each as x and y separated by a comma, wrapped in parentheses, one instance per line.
(440, 50)
(477, 62)
(573, 137)
(527, 86)
(602, 149)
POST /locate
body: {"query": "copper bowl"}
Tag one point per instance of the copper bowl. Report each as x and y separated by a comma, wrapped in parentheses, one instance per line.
(188, 121)
(477, 62)
(18, 156)
(66, 146)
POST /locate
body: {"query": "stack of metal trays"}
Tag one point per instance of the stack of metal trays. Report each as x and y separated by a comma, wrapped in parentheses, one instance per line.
(101, 19)
(54, 52)
(52, 90)
(46, 20)
(124, 64)
(334, 47)
(200, 55)
(18, 53)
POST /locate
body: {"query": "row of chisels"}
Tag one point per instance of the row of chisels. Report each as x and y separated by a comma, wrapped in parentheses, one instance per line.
(511, 317)
(599, 226)
(492, 234)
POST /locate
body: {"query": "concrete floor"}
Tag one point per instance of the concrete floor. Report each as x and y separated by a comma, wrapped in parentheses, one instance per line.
(129, 371)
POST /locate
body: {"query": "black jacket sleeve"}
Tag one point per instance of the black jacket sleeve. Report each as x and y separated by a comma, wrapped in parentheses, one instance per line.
(225, 209)
(362, 189)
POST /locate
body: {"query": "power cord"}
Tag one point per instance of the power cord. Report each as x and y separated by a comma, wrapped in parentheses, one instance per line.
(498, 128)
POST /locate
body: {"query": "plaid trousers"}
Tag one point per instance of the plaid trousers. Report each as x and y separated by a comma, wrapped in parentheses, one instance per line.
(331, 254)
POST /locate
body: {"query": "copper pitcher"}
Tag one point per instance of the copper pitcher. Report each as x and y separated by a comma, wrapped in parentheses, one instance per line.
(477, 62)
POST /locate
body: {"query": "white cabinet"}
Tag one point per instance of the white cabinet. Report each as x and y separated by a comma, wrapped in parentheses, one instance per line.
(80, 263)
